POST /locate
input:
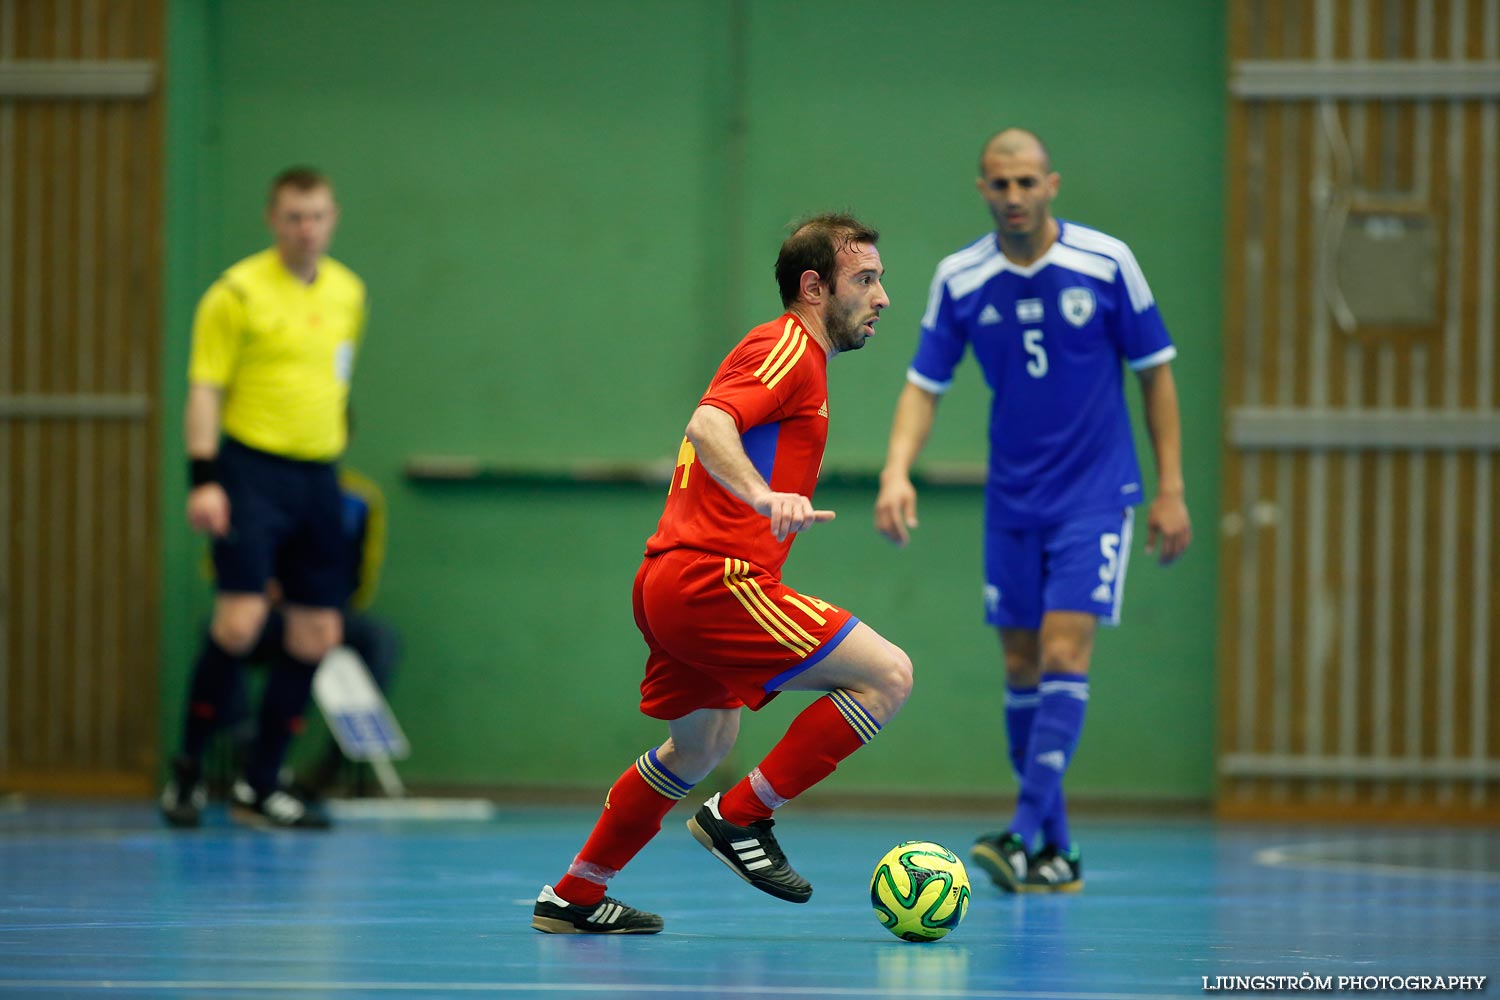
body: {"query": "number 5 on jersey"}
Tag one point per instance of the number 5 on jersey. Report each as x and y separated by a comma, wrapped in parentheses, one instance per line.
(1032, 341)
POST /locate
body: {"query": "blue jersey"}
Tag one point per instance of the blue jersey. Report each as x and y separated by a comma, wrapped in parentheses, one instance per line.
(1051, 338)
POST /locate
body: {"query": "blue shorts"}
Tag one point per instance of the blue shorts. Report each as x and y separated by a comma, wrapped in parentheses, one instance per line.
(286, 522)
(1076, 565)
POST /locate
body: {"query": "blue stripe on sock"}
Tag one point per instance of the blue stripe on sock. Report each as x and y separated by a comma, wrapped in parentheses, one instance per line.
(861, 721)
(659, 778)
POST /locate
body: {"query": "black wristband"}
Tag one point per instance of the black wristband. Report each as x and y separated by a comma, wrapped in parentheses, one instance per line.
(202, 471)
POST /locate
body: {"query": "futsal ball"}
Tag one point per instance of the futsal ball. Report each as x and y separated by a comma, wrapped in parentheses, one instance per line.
(920, 891)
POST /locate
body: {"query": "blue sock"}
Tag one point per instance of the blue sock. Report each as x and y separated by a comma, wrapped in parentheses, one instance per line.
(1055, 824)
(1054, 735)
(1020, 710)
(288, 690)
(215, 674)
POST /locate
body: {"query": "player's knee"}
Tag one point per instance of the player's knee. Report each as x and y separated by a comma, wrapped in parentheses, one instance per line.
(306, 651)
(694, 763)
(237, 634)
(1064, 655)
(1022, 672)
(311, 640)
(692, 757)
(895, 680)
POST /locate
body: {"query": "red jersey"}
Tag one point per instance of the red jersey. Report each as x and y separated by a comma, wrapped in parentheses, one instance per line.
(775, 385)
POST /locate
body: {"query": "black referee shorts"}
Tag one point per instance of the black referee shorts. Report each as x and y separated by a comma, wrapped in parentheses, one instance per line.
(286, 522)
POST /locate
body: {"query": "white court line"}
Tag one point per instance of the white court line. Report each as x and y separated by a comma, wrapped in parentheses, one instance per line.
(1293, 856)
(616, 989)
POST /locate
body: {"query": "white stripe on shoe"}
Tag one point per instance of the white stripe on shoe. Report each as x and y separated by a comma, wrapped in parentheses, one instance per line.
(751, 854)
(607, 913)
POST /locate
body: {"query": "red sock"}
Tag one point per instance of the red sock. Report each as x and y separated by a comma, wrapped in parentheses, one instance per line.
(633, 811)
(826, 732)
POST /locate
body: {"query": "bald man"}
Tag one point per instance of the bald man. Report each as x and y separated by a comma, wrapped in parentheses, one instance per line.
(1052, 310)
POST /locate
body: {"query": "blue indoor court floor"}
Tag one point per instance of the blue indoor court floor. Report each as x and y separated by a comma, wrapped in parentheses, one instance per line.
(101, 900)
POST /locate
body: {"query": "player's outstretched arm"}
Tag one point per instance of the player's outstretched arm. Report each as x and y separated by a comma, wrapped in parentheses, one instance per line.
(716, 439)
(1167, 522)
(896, 505)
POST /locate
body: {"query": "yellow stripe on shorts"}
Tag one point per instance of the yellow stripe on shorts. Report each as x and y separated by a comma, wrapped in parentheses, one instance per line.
(735, 571)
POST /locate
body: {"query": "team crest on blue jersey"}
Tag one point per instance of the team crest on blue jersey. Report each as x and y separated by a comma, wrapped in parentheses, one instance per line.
(1077, 305)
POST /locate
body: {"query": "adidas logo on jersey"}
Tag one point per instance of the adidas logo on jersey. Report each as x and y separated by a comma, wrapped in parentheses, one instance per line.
(823, 410)
(989, 315)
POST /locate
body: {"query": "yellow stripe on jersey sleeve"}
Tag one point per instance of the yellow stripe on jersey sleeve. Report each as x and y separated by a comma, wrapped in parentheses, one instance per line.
(786, 337)
(782, 367)
(784, 356)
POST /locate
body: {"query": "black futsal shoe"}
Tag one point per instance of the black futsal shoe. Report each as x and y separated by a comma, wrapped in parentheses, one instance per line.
(751, 852)
(183, 799)
(1003, 857)
(555, 915)
(276, 810)
(1055, 871)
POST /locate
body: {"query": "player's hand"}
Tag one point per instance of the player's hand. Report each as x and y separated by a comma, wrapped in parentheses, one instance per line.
(208, 510)
(790, 512)
(896, 508)
(1167, 523)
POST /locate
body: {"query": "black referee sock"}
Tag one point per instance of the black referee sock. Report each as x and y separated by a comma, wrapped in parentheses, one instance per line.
(213, 678)
(281, 707)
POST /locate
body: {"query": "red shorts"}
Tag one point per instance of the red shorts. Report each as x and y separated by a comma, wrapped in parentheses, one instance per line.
(723, 633)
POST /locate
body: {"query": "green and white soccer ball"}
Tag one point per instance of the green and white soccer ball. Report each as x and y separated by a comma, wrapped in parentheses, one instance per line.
(920, 891)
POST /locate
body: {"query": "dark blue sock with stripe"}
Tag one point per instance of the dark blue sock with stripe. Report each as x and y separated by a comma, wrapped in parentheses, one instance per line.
(1020, 710)
(214, 676)
(288, 690)
(1054, 736)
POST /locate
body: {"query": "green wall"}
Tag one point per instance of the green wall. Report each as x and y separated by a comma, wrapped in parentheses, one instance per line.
(567, 212)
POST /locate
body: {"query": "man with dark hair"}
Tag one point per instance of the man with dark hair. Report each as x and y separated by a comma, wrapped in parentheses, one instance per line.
(722, 629)
(273, 349)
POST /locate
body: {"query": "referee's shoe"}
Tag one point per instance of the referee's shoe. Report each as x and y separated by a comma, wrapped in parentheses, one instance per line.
(276, 810)
(751, 852)
(183, 799)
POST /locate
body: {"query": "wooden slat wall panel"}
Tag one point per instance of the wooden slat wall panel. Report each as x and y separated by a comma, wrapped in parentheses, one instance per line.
(1360, 626)
(80, 307)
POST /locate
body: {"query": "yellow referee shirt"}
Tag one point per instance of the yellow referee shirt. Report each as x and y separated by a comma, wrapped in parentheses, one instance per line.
(282, 352)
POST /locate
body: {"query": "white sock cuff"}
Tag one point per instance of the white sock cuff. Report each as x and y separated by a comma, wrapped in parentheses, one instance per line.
(590, 872)
(764, 790)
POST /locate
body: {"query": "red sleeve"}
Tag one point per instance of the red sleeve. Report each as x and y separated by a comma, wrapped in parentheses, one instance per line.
(761, 380)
